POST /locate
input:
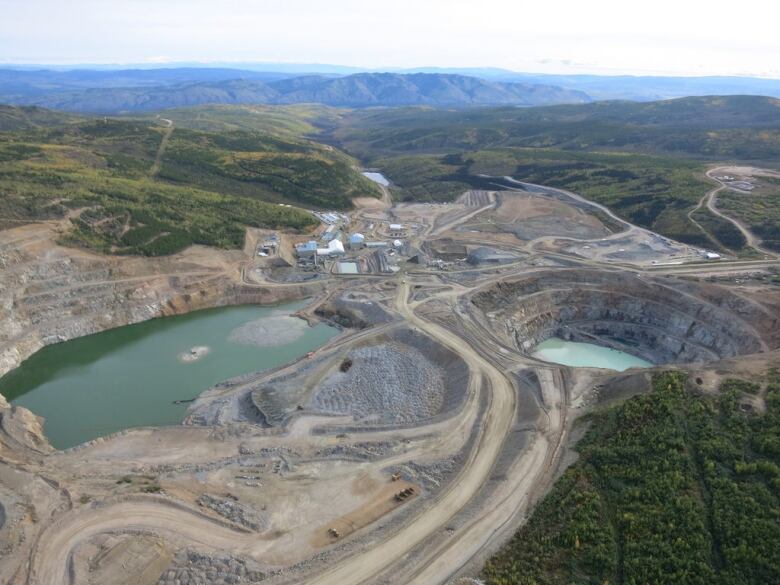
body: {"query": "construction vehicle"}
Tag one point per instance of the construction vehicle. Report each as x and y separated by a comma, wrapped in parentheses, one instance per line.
(404, 494)
(396, 476)
(334, 533)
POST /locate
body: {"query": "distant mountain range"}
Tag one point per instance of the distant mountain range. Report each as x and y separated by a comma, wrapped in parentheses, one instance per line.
(102, 89)
(144, 90)
(649, 88)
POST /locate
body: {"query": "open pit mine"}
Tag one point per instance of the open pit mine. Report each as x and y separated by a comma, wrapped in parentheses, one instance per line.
(409, 445)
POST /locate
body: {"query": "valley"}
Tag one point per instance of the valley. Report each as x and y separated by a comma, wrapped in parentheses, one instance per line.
(422, 430)
(315, 440)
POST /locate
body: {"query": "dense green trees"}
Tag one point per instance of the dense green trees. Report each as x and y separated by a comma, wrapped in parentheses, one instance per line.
(671, 487)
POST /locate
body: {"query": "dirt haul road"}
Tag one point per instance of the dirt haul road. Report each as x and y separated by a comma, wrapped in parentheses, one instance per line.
(710, 200)
(476, 471)
(449, 528)
(56, 545)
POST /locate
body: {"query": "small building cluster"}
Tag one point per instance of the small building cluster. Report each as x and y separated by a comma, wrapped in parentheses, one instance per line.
(376, 250)
(269, 246)
(332, 217)
(311, 249)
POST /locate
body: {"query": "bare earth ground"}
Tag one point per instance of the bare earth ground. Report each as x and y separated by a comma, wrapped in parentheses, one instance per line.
(291, 476)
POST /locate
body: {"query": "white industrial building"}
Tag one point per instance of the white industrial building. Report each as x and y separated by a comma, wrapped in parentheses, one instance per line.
(335, 248)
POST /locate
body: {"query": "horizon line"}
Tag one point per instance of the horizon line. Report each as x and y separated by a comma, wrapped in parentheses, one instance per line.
(280, 65)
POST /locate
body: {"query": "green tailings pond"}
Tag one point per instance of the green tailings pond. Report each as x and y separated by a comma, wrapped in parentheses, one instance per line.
(586, 355)
(132, 376)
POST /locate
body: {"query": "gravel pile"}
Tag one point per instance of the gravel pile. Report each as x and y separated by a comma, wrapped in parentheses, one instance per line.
(431, 475)
(193, 568)
(387, 383)
(403, 377)
(234, 511)
(358, 451)
(353, 313)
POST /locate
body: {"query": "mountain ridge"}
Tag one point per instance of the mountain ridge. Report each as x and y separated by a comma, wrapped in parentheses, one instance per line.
(358, 90)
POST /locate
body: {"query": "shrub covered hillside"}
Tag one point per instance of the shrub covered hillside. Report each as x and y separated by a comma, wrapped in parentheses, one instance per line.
(137, 187)
(713, 127)
(643, 160)
(760, 210)
(670, 488)
(651, 191)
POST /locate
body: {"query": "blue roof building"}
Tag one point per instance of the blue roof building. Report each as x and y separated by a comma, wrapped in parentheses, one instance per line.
(307, 249)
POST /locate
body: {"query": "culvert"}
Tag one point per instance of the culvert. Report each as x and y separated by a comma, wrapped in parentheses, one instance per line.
(661, 320)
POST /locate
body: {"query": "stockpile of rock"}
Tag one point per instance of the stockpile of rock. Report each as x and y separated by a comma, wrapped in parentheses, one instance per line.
(194, 568)
(387, 383)
(234, 511)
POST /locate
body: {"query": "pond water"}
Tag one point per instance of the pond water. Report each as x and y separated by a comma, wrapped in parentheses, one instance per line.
(586, 355)
(377, 178)
(131, 376)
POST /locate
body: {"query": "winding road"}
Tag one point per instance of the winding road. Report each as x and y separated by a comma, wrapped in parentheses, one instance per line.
(163, 145)
(51, 554)
(710, 200)
(416, 553)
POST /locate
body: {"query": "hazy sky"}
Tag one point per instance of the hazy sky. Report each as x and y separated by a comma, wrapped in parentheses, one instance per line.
(688, 37)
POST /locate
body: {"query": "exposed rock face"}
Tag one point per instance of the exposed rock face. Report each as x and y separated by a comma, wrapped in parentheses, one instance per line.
(21, 430)
(661, 320)
(50, 294)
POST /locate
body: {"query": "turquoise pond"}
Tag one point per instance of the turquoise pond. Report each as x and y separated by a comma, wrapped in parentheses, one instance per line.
(586, 355)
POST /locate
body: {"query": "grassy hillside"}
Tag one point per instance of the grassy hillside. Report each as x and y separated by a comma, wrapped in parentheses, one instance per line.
(670, 487)
(651, 191)
(208, 186)
(263, 166)
(759, 210)
(13, 118)
(293, 121)
(740, 127)
(644, 160)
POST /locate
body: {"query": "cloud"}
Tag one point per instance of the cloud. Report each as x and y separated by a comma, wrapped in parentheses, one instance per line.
(666, 36)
